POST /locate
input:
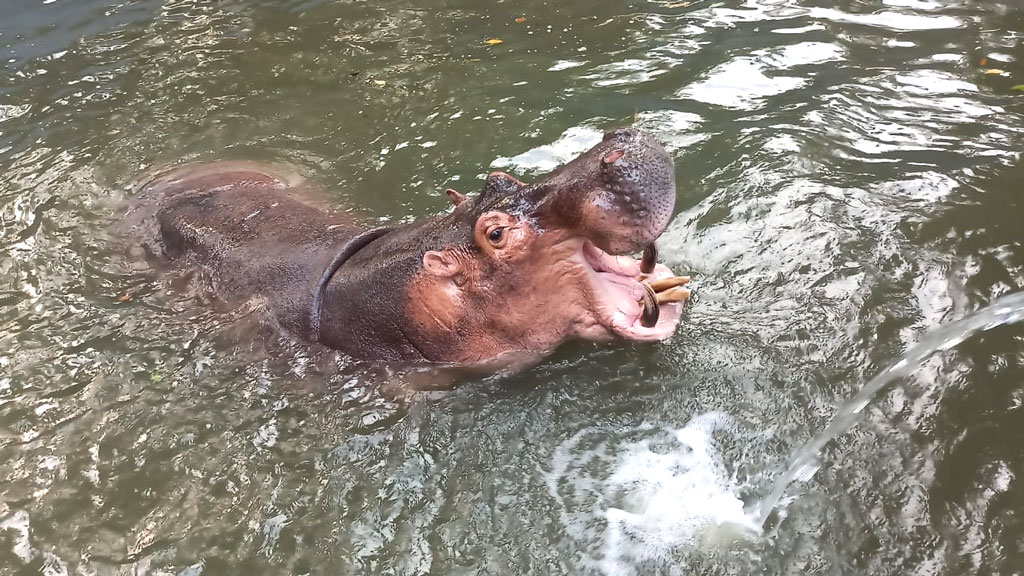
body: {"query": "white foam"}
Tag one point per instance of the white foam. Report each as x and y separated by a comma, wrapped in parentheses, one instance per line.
(663, 494)
(18, 523)
(570, 144)
(673, 501)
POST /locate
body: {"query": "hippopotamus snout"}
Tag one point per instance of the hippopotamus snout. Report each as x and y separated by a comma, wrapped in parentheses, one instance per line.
(619, 195)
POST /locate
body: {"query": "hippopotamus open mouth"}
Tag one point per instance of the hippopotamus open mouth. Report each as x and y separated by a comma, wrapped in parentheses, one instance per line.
(519, 268)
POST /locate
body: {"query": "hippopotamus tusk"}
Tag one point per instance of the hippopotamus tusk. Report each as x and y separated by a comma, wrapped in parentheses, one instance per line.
(651, 308)
(673, 295)
(661, 291)
(662, 284)
(650, 259)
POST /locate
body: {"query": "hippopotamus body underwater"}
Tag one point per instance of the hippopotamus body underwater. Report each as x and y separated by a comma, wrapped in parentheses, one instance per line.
(511, 272)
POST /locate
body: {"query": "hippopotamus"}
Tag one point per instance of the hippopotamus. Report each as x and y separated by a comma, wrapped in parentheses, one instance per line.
(515, 270)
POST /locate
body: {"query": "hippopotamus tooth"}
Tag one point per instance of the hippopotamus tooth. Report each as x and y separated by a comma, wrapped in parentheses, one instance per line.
(516, 269)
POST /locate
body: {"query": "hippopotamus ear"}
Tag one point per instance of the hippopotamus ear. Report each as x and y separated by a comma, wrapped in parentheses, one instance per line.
(455, 196)
(442, 263)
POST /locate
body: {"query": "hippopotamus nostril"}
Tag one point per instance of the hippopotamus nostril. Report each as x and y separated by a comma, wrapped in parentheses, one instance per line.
(621, 202)
(612, 157)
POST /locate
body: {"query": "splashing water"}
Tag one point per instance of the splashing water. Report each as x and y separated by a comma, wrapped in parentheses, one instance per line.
(1003, 311)
(662, 499)
(667, 494)
(683, 497)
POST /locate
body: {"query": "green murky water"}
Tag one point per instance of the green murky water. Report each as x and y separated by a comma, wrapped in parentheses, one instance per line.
(849, 177)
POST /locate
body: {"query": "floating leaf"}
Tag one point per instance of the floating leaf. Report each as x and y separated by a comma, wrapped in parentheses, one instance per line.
(379, 82)
(993, 71)
(1018, 87)
(125, 297)
(984, 62)
(494, 41)
(520, 19)
(156, 377)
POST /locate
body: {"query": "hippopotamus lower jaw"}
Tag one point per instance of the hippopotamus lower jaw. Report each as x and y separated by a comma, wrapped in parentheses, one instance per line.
(616, 290)
(562, 287)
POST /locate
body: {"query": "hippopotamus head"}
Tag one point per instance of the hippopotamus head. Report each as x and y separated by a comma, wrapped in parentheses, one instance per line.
(523, 267)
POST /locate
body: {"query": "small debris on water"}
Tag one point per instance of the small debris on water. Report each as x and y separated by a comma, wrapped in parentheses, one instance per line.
(493, 41)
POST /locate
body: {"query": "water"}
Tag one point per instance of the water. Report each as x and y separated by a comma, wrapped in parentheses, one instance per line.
(680, 497)
(849, 180)
(670, 493)
(803, 464)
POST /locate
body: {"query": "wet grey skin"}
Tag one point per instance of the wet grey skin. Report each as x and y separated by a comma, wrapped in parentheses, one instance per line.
(330, 281)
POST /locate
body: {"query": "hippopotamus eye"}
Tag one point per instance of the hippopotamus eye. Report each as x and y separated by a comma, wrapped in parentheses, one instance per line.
(497, 236)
